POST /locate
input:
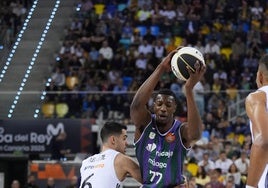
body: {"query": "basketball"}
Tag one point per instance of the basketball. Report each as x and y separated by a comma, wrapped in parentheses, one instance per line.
(186, 56)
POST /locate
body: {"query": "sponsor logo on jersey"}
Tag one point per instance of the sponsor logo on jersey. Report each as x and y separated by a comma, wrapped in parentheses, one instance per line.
(151, 147)
(152, 135)
(167, 154)
(170, 137)
(101, 165)
(97, 158)
(157, 164)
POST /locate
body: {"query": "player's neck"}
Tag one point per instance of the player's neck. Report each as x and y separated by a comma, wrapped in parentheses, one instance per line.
(105, 148)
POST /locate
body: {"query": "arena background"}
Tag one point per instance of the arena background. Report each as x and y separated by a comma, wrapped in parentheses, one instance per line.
(34, 36)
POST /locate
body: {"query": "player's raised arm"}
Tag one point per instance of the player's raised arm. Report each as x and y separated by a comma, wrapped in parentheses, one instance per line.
(192, 131)
(139, 112)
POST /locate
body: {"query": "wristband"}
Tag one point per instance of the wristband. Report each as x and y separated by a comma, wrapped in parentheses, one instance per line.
(248, 186)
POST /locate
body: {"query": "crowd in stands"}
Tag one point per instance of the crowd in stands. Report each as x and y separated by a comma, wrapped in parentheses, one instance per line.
(111, 47)
(12, 15)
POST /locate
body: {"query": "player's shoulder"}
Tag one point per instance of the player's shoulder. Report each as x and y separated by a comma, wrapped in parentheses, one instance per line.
(123, 160)
(121, 156)
(255, 96)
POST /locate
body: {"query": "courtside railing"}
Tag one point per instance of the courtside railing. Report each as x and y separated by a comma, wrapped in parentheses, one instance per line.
(60, 104)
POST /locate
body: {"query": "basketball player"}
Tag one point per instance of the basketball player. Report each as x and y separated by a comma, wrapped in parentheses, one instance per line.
(110, 167)
(256, 108)
(161, 141)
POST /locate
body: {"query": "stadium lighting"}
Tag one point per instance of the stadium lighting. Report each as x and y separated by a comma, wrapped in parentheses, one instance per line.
(28, 71)
(36, 114)
(18, 40)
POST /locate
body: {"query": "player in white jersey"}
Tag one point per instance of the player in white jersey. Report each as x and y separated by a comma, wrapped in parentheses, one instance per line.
(257, 111)
(110, 167)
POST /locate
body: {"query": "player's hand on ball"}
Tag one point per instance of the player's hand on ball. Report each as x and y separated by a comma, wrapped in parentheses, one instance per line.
(179, 47)
(166, 60)
(195, 76)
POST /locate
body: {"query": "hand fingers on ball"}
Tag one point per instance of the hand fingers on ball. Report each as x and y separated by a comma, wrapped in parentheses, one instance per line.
(190, 70)
(199, 67)
(172, 53)
(179, 47)
(175, 51)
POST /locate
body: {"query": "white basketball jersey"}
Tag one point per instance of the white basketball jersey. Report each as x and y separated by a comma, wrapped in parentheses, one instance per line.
(263, 183)
(98, 171)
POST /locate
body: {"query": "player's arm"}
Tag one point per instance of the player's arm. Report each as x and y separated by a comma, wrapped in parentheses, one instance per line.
(192, 130)
(257, 112)
(139, 113)
(125, 165)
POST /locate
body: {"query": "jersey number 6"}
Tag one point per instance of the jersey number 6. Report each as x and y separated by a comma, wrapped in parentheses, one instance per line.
(87, 184)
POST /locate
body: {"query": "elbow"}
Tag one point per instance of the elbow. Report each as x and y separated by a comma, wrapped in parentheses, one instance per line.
(261, 141)
(195, 136)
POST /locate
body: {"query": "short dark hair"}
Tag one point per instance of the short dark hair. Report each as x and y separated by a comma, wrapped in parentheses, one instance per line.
(166, 92)
(264, 61)
(111, 128)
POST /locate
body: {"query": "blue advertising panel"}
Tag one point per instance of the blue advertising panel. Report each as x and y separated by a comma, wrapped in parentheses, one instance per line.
(35, 136)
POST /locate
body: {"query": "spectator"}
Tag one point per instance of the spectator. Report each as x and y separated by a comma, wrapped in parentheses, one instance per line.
(149, 37)
(141, 62)
(58, 150)
(196, 152)
(143, 15)
(207, 163)
(159, 50)
(238, 51)
(31, 182)
(73, 182)
(198, 91)
(15, 184)
(58, 77)
(202, 177)
(199, 46)
(215, 179)
(51, 182)
(215, 146)
(234, 173)
(93, 54)
(145, 47)
(156, 17)
(230, 182)
(192, 183)
(242, 163)
(212, 48)
(223, 162)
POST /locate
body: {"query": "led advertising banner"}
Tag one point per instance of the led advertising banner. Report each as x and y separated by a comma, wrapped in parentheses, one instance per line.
(35, 136)
(62, 172)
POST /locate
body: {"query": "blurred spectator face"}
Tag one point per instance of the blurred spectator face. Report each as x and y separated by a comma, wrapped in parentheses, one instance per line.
(74, 180)
(50, 181)
(230, 182)
(223, 156)
(15, 184)
(31, 180)
(206, 156)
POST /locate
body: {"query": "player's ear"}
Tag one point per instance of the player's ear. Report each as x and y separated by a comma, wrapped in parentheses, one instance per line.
(112, 139)
(261, 77)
